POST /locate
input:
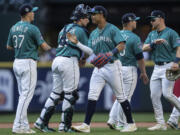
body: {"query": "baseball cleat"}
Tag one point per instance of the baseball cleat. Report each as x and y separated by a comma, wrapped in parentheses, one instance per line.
(158, 127)
(111, 125)
(173, 125)
(119, 127)
(82, 128)
(21, 131)
(129, 128)
(43, 128)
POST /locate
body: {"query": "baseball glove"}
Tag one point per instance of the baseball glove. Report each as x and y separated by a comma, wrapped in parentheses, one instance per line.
(172, 75)
(101, 59)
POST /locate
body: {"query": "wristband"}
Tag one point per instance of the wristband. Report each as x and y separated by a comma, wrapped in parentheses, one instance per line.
(177, 60)
(152, 45)
(115, 51)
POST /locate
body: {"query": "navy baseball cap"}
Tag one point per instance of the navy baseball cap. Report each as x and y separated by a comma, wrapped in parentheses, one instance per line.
(157, 14)
(26, 8)
(129, 17)
(99, 10)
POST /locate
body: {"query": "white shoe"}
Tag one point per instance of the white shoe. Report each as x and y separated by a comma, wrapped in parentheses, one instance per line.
(129, 128)
(82, 128)
(29, 131)
(158, 127)
(17, 131)
(21, 131)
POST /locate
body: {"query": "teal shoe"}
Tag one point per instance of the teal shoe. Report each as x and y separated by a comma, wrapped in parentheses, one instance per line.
(43, 128)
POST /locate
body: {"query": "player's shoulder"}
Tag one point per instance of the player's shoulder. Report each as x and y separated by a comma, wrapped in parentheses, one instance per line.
(32, 26)
(95, 31)
(80, 28)
(152, 32)
(171, 30)
(135, 35)
(112, 26)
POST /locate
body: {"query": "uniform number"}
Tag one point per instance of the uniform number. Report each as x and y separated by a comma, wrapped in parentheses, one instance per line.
(21, 39)
(122, 53)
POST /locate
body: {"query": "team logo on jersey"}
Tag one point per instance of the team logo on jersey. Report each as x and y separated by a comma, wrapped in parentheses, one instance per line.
(101, 38)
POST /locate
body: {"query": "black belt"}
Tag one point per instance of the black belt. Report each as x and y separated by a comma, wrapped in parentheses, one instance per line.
(161, 63)
(111, 61)
(67, 56)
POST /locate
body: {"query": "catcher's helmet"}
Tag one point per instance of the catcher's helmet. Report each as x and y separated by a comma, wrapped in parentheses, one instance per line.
(81, 11)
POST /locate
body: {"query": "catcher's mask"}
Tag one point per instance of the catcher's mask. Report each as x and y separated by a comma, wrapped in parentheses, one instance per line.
(81, 11)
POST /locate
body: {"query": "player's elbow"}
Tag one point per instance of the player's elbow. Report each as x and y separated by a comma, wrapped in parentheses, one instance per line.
(45, 46)
(9, 47)
(121, 46)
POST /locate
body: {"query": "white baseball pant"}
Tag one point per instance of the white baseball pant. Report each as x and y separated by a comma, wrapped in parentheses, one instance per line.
(160, 85)
(25, 71)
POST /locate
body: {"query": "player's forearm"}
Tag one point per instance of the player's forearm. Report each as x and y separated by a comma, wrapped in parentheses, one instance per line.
(141, 64)
(177, 59)
(178, 52)
(146, 48)
(45, 46)
(85, 48)
(121, 46)
(9, 47)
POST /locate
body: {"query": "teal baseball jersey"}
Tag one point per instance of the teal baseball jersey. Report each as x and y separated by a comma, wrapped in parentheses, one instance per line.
(25, 38)
(105, 40)
(133, 47)
(67, 48)
(165, 52)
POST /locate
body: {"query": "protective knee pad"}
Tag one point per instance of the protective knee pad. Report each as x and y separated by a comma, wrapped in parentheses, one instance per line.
(72, 99)
(56, 97)
(68, 114)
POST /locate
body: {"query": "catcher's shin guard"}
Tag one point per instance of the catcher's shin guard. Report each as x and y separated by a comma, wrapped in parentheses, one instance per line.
(50, 106)
(68, 114)
(70, 100)
(48, 113)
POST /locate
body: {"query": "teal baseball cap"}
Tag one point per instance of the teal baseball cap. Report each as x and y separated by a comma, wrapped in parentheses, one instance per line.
(26, 8)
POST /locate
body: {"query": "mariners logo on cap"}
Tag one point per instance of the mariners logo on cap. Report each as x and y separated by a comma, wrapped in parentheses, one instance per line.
(27, 9)
(130, 18)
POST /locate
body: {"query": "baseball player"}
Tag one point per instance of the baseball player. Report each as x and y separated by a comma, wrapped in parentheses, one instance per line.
(25, 38)
(162, 42)
(129, 58)
(173, 119)
(66, 74)
(106, 38)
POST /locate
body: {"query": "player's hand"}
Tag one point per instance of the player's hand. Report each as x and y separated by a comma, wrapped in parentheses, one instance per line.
(160, 41)
(82, 62)
(175, 66)
(72, 38)
(144, 77)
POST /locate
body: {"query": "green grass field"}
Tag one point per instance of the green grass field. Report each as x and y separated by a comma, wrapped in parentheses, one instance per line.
(98, 117)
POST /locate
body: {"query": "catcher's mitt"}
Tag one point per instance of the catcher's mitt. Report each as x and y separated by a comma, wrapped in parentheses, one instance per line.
(172, 75)
(101, 60)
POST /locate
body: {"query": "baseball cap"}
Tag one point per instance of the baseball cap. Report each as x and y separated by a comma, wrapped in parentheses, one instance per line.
(157, 14)
(99, 10)
(26, 8)
(129, 17)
